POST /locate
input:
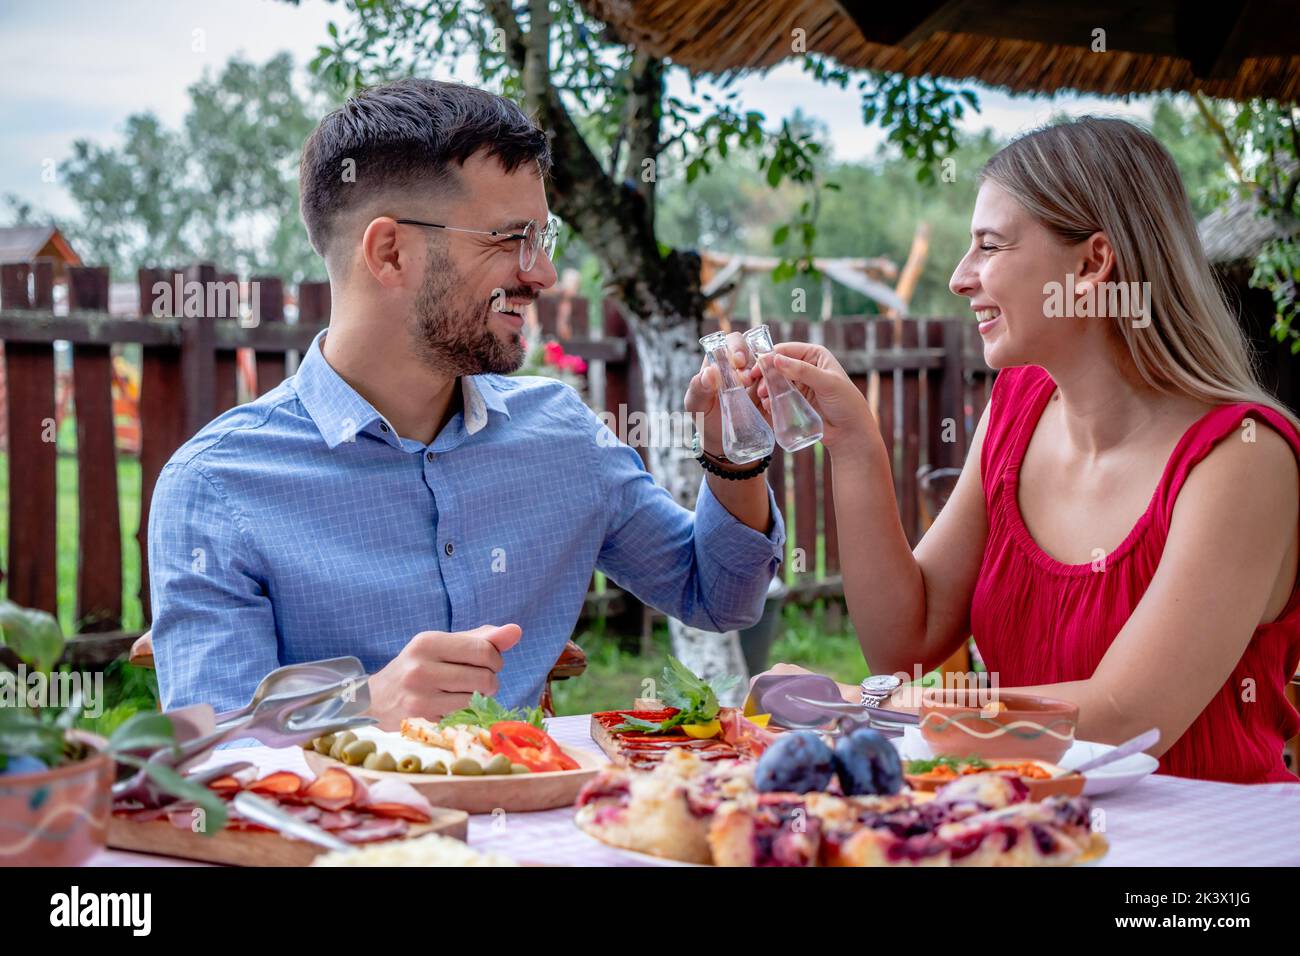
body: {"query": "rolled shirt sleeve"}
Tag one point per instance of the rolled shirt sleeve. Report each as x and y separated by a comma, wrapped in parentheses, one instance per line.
(707, 569)
(214, 635)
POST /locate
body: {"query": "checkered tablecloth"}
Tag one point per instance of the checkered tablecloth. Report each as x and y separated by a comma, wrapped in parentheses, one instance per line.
(1161, 821)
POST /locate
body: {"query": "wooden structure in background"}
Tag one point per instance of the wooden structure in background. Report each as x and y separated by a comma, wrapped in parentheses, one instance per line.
(927, 377)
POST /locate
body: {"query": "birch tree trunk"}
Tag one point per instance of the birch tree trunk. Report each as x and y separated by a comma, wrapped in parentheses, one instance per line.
(669, 351)
(659, 292)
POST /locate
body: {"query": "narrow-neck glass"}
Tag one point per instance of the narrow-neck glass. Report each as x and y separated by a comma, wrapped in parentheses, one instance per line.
(746, 436)
(795, 421)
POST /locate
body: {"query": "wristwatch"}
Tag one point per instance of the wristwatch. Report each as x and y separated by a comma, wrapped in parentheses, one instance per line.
(876, 689)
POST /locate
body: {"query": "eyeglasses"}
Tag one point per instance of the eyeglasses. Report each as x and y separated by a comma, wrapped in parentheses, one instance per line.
(531, 240)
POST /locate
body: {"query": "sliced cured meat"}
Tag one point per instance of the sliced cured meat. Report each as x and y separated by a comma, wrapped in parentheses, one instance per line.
(374, 830)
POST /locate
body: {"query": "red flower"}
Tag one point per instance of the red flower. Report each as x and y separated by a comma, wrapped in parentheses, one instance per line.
(553, 354)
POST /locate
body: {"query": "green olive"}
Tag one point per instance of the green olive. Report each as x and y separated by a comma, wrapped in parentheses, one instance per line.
(499, 763)
(436, 766)
(409, 764)
(380, 760)
(467, 767)
(520, 768)
(323, 744)
(357, 751)
(341, 741)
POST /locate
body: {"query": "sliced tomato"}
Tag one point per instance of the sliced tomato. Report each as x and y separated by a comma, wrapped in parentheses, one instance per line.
(525, 744)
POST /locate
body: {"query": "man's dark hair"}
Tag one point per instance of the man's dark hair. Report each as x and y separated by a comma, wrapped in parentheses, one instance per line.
(404, 134)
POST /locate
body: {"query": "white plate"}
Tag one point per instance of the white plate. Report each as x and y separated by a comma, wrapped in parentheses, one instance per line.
(1108, 779)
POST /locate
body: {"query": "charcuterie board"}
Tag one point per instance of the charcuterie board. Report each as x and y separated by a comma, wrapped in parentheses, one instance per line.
(249, 847)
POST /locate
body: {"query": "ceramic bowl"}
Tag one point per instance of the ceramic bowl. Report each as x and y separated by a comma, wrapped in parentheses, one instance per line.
(994, 725)
(57, 817)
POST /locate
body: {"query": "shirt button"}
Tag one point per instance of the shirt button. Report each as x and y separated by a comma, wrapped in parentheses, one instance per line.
(428, 456)
(448, 548)
(383, 427)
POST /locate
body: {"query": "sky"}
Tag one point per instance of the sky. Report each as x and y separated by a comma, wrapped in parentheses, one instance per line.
(76, 69)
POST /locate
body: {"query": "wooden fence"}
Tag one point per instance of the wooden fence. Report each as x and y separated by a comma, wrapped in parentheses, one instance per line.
(926, 379)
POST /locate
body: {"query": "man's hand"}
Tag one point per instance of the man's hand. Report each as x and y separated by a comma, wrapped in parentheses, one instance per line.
(437, 671)
(706, 386)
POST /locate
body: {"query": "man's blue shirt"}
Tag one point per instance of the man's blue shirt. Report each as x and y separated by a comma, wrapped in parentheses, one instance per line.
(300, 526)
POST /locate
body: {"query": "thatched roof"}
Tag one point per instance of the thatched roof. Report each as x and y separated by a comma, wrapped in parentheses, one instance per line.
(1236, 232)
(1233, 50)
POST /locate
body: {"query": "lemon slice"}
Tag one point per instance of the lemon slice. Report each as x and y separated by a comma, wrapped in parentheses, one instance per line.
(703, 731)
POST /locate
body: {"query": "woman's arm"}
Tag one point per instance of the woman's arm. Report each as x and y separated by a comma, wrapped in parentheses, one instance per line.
(1232, 537)
(907, 608)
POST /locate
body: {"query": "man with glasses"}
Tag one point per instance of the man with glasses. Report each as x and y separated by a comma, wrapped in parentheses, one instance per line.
(400, 498)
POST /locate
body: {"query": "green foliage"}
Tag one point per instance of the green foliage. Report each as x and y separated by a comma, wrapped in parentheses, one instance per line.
(1271, 131)
(128, 690)
(868, 208)
(594, 76)
(1260, 140)
(223, 188)
(34, 636)
(484, 711)
(1196, 152)
(695, 699)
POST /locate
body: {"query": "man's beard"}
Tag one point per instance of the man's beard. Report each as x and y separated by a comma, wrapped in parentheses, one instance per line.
(454, 337)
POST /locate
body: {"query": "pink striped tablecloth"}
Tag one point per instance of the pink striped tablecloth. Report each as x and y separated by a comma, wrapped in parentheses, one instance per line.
(1161, 821)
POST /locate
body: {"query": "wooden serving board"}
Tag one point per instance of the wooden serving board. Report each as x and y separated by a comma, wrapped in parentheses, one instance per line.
(518, 793)
(251, 847)
(606, 741)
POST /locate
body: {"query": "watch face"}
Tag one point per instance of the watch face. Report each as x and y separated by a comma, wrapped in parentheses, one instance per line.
(881, 685)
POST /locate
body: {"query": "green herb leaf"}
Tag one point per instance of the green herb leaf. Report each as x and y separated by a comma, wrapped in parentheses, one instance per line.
(696, 701)
(484, 711)
(24, 733)
(143, 731)
(34, 636)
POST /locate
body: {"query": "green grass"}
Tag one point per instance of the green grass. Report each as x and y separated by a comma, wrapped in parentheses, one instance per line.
(66, 511)
(615, 674)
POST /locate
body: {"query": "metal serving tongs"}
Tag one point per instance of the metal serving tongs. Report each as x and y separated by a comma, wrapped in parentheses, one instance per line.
(268, 814)
(289, 719)
(277, 716)
(294, 679)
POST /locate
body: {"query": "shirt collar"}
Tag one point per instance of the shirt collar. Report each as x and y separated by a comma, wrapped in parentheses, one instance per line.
(341, 413)
(482, 394)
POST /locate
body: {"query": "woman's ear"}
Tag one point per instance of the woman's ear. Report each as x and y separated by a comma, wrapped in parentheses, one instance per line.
(1096, 263)
(382, 252)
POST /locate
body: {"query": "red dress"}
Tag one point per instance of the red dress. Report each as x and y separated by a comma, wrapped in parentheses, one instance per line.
(1038, 621)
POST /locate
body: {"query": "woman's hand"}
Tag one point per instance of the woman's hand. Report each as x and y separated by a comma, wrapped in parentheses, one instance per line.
(846, 417)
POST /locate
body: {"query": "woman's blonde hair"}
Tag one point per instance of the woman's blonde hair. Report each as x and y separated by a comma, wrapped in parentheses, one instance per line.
(1106, 175)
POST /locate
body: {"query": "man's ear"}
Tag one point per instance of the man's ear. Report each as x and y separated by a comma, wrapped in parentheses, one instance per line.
(383, 253)
(1096, 262)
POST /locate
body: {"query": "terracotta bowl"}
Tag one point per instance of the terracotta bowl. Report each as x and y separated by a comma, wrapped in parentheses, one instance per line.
(1067, 783)
(997, 726)
(57, 817)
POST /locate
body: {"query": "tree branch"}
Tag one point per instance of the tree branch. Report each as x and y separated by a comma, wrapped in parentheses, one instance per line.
(610, 217)
(1216, 128)
(643, 122)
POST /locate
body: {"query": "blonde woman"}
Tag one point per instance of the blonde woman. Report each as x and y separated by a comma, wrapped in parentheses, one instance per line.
(1124, 532)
